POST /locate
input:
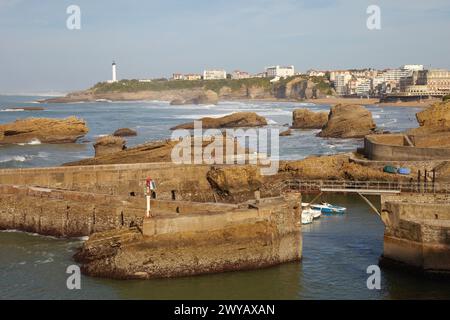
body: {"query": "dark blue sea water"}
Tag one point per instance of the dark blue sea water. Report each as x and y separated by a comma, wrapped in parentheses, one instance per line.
(336, 249)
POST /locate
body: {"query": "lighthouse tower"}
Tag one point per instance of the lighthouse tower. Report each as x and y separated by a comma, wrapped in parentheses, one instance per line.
(114, 74)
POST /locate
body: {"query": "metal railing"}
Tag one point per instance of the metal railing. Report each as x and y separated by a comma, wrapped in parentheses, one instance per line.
(358, 186)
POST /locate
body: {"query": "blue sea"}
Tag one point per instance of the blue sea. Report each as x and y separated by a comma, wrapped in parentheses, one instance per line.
(153, 119)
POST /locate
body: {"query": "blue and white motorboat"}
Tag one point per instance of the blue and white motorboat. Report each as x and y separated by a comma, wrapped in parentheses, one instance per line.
(328, 208)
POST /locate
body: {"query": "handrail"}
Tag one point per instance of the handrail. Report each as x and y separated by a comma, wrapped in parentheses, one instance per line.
(397, 186)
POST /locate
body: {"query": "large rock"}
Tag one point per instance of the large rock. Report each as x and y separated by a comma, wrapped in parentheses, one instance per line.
(45, 130)
(177, 102)
(207, 97)
(124, 132)
(108, 145)
(436, 118)
(307, 119)
(110, 151)
(234, 120)
(286, 133)
(348, 121)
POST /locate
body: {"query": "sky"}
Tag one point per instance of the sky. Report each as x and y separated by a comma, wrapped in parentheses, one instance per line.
(155, 38)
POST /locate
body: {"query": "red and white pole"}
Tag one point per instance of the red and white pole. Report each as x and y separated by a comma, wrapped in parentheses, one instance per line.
(148, 184)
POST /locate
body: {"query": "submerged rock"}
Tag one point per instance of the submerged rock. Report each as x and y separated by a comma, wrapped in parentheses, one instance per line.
(348, 121)
(45, 130)
(285, 133)
(307, 119)
(235, 120)
(124, 132)
(177, 102)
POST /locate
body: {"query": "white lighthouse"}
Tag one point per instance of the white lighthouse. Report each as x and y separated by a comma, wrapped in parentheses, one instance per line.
(114, 74)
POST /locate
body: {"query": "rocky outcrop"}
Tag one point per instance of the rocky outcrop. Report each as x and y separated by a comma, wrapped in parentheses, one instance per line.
(177, 102)
(45, 130)
(124, 132)
(207, 97)
(160, 151)
(235, 183)
(286, 133)
(434, 119)
(300, 88)
(348, 121)
(234, 120)
(307, 119)
(108, 145)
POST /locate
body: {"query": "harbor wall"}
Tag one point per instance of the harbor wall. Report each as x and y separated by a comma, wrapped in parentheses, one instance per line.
(182, 182)
(250, 235)
(65, 213)
(417, 231)
(391, 147)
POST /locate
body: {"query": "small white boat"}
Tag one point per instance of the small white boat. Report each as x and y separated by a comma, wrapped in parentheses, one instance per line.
(307, 216)
(315, 212)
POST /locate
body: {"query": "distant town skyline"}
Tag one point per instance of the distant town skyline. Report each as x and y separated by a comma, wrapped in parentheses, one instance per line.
(150, 39)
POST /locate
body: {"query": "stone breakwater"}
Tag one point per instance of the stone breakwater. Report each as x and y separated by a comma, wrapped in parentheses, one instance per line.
(417, 232)
(197, 240)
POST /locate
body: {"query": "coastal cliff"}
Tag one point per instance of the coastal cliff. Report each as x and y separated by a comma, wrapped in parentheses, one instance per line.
(184, 91)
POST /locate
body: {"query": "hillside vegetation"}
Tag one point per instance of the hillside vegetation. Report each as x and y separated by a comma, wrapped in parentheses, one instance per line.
(160, 85)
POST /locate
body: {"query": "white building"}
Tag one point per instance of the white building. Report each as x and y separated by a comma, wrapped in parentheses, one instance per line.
(363, 87)
(340, 83)
(214, 74)
(282, 72)
(396, 74)
(335, 73)
(316, 73)
(237, 74)
(413, 67)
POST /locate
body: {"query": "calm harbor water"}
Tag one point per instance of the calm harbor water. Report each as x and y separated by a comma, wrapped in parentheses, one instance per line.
(336, 249)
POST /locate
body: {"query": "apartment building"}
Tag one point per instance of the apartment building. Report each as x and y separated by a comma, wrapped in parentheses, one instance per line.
(214, 74)
(282, 72)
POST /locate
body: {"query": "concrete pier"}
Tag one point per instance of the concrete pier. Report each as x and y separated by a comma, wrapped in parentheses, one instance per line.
(417, 232)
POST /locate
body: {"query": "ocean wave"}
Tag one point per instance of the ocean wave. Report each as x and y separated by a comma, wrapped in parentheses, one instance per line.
(13, 159)
(12, 110)
(32, 142)
(32, 234)
(48, 260)
(23, 158)
(198, 116)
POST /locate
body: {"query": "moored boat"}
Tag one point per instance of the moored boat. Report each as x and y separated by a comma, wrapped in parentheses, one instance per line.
(315, 212)
(328, 208)
(307, 216)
